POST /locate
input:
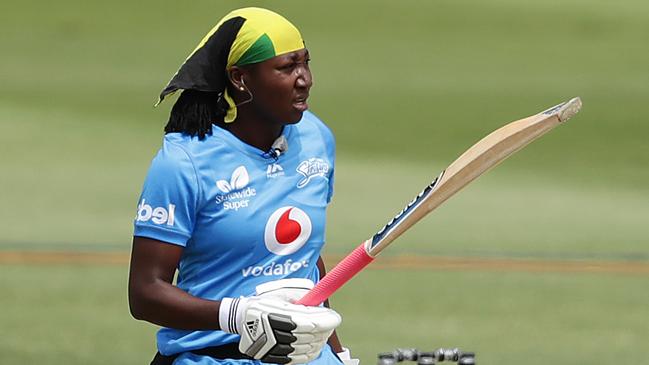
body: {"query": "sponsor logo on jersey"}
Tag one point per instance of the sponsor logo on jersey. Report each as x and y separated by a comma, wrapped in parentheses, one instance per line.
(287, 230)
(274, 268)
(157, 215)
(236, 192)
(311, 168)
(274, 171)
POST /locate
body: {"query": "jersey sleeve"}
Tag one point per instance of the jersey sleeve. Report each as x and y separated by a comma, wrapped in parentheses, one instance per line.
(330, 143)
(167, 207)
(332, 174)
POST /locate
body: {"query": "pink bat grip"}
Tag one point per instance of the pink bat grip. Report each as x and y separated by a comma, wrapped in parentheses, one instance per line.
(338, 276)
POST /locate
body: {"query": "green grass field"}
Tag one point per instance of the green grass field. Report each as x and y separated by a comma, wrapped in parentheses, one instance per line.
(406, 87)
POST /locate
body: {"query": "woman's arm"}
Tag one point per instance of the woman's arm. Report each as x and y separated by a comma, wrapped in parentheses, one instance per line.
(153, 298)
(334, 342)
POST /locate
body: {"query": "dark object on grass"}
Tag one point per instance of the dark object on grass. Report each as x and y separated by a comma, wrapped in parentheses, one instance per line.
(427, 357)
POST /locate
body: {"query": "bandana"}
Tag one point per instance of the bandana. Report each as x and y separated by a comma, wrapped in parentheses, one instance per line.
(244, 36)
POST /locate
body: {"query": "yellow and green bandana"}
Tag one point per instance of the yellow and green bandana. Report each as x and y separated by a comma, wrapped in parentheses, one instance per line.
(243, 37)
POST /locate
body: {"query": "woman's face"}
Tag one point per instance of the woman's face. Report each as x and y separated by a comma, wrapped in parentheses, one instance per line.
(280, 86)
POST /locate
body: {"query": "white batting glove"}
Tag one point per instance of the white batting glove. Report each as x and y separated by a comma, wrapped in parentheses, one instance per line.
(276, 331)
(289, 290)
(346, 357)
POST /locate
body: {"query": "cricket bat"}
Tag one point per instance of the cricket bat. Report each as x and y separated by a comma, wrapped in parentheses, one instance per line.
(485, 154)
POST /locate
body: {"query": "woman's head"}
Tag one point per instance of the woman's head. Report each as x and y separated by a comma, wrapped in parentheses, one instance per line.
(253, 58)
(276, 89)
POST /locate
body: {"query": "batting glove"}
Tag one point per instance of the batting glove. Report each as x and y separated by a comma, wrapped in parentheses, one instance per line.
(288, 290)
(346, 357)
(276, 331)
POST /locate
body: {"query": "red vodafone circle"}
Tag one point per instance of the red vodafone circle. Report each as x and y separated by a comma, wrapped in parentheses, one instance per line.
(287, 230)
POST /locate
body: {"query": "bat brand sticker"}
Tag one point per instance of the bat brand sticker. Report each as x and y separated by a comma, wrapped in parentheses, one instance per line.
(553, 109)
(394, 222)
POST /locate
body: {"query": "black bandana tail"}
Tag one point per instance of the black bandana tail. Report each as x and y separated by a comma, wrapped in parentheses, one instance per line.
(204, 69)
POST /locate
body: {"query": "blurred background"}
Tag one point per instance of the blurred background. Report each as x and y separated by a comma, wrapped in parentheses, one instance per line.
(543, 260)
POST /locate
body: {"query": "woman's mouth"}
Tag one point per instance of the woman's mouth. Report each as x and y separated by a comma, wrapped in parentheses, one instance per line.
(300, 103)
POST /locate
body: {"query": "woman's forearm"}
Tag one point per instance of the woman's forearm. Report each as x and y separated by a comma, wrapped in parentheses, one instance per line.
(152, 296)
(164, 304)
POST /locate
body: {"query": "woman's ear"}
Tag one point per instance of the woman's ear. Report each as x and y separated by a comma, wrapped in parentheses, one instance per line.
(235, 75)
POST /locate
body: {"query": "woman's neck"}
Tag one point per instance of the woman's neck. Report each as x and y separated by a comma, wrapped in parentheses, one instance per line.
(257, 132)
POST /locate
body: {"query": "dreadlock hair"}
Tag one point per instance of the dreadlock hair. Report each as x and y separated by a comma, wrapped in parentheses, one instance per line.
(195, 111)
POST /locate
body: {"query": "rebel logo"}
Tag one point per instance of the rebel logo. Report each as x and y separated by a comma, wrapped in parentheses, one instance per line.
(287, 230)
(157, 215)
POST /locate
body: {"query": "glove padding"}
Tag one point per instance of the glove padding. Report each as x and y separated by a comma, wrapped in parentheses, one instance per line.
(275, 331)
(289, 290)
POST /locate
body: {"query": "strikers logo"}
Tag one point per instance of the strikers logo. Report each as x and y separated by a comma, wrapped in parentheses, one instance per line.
(287, 230)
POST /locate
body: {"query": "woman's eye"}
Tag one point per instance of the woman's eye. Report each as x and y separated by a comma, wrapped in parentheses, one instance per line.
(287, 67)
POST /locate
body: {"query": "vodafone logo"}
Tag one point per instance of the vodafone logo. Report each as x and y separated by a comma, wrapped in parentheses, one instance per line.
(287, 230)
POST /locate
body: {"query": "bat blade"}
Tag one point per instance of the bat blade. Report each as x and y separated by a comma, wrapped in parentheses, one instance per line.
(482, 156)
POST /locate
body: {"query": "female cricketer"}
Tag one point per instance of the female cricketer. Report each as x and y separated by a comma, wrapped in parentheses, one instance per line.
(234, 203)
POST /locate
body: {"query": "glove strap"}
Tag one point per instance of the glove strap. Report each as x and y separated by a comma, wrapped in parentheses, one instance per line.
(228, 312)
(345, 354)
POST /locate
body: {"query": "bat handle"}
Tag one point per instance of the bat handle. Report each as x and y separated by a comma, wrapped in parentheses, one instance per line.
(337, 277)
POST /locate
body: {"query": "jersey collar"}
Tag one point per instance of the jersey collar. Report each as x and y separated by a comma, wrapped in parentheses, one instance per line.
(247, 149)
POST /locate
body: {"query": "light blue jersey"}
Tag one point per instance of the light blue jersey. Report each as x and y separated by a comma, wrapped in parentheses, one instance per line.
(243, 216)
